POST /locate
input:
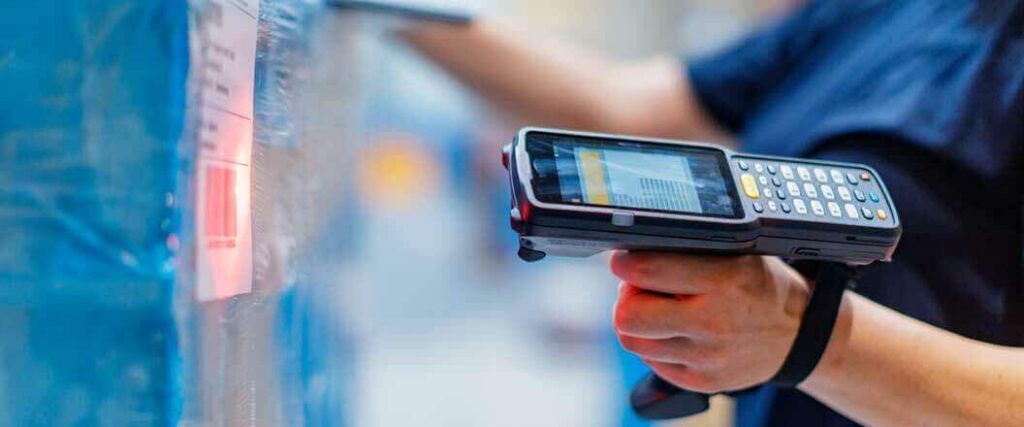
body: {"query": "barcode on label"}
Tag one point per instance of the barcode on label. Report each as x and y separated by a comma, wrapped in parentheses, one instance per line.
(221, 210)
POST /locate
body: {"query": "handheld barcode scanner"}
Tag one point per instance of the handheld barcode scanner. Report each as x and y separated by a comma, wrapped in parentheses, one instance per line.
(578, 194)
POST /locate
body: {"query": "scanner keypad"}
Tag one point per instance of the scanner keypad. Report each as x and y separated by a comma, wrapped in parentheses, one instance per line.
(817, 192)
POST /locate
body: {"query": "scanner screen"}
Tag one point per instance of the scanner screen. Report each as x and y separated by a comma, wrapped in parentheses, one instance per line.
(648, 176)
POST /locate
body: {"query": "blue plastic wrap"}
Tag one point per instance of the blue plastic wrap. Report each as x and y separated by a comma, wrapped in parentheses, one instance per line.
(91, 116)
(92, 113)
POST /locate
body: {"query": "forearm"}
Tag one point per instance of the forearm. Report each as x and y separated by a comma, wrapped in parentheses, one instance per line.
(546, 83)
(883, 368)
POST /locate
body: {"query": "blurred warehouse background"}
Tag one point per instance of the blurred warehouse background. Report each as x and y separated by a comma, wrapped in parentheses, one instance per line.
(451, 327)
(385, 289)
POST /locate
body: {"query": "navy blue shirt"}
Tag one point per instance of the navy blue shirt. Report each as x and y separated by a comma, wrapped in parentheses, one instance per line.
(930, 93)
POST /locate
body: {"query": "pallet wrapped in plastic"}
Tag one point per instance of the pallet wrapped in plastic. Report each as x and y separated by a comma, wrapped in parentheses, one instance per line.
(99, 125)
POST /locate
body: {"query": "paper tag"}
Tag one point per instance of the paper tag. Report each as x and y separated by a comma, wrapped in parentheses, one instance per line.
(223, 175)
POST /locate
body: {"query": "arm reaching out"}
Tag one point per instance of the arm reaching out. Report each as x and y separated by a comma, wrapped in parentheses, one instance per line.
(551, 84)
(724, 323)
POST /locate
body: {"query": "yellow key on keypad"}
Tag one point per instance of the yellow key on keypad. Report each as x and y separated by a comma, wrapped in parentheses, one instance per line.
(749, 186)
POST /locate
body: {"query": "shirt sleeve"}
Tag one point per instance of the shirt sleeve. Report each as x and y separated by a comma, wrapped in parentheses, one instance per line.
(733, 82)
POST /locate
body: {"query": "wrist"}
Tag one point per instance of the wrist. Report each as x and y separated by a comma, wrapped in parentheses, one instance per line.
(797, 299)
(817, 325)
(832, 361)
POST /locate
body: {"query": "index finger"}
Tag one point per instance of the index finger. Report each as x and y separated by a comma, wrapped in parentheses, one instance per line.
(679, 274)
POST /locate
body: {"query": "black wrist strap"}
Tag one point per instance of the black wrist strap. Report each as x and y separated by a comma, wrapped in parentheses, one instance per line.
(816, 327)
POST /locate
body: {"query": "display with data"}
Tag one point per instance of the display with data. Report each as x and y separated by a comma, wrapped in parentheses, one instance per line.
(658, 177)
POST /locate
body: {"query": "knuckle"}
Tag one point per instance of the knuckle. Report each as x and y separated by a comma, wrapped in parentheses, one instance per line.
(741, 273)
(713, 325)
(630, 344)
(708, 357)
(753, 266)
(698, 356)
(643, 269)
(619, 263)
(724, 275)
(624, 319)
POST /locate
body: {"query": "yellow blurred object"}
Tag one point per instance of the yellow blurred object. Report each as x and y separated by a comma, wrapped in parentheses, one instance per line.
(396, 171)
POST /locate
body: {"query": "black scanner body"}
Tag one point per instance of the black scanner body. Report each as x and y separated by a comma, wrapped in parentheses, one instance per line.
(579, 231)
